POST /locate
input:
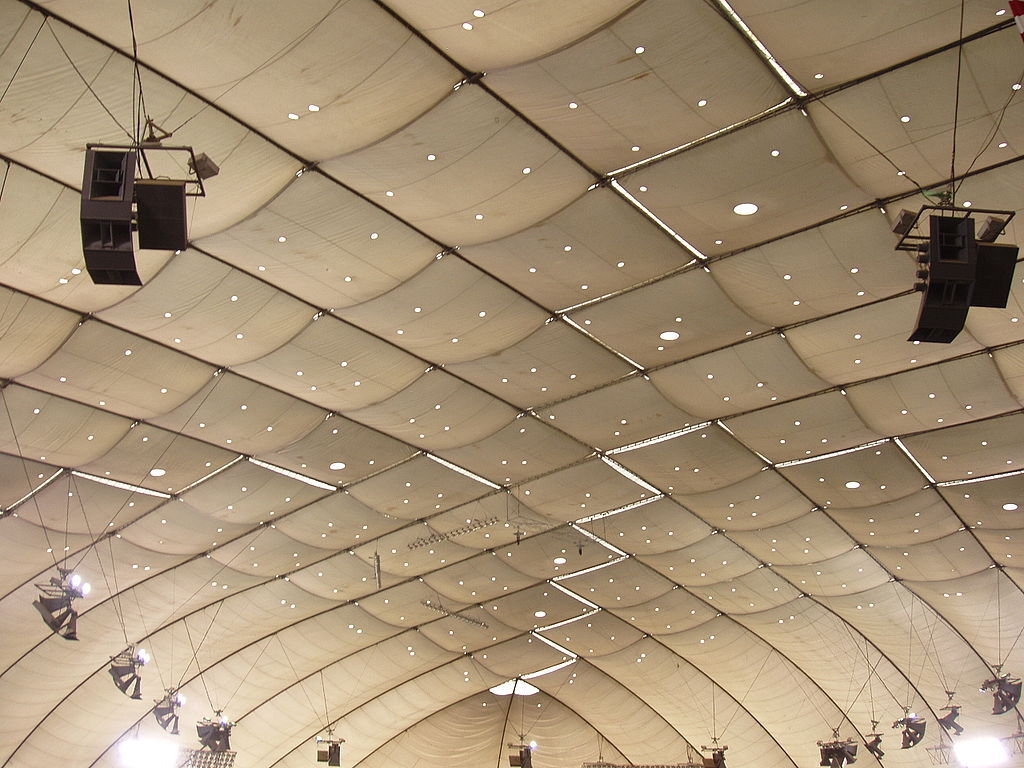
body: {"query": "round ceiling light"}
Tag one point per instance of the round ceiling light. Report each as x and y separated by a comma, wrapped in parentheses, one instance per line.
(745, 209)
(669, 335)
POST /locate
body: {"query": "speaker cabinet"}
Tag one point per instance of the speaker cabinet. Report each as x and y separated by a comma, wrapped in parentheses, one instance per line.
(160, 206)
(108, 190)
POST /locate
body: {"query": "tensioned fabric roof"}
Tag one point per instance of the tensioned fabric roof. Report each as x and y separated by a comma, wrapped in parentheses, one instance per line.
(469, 294)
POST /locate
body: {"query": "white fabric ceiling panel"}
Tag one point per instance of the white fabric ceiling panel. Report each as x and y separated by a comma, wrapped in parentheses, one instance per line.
(695, 191)
(248, 417)
(983, 448)
(450, 312)
(618, 414)
(839, 265)
(579, 491)
(520, 450)
(246, 492)
(553, 363)
(712, 560)
(337, 249)
(921, 516)
(699, 461)
(1010, 361)
(512, 33)
(437, 411)
(341, 577)
(755, 592)
(339, 441)
(475, 188)
(505, 521)
(417, 488)
(212, 311)
(655, 527)
(525, 652)
(269, 554)
(597, 245)
(920, 147)
(858, 478)
(869, 342)
(31, 331)
(131, 375)
(991, 503)
(809, 426)
(537, 555)
(180, 528)
(54, 430)
(849, 573)
(947, 393)
(666, 58)
(460, 581)
(19, 477)
(762, 500)
(847, 42)
(308, 367)
(621, 585)
(811, 538)
(958, 554)
(741, 377)
(595, 634)
(690, 304)
(159, 459)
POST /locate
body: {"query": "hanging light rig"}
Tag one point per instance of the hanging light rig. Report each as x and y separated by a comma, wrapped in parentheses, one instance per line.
(948, 721)
(328, 750)
(55, 602)
(1005, 690)
(167, 711)
(837, 752)
(215, 737)
(717, 757)
(124, 668)
(913, 728)
(874, 743)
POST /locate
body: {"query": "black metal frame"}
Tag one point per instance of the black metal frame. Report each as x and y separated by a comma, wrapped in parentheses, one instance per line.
(193, 186)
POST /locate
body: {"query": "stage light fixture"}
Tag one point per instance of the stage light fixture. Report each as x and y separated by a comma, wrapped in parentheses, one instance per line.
(874, 745)
(717, 757)
(1005, 692)
(55, 602)
(948, 721)
(520, 755)
(203, 167)
(913, 728)
(837, 753)
(124, 668)
(167, 709)
(215, 734)
(328, 750)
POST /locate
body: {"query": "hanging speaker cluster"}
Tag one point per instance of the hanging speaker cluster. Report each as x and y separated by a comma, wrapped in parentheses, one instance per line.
(959, 266)
(116, 205)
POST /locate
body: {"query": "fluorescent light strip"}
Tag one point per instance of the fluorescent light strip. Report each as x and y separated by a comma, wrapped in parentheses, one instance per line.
(701, 140)
(658, 438)
(793, 85)
(215, 472)
(568, 621)
(293, 475)
(626, 508)
(119, 484)
(629, 475)
(599, 540)
(591, 569)
(588, 334)
(549, 670)
(35, 490)
(909, 455)
(647, 212)
(822, 457)
(970, 480)
(461, 471)
(554, 645)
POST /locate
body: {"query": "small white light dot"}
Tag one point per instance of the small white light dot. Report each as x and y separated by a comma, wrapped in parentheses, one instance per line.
(702, 103)
(905, 119)
(292, 116)
(313, 108)
(467, 26)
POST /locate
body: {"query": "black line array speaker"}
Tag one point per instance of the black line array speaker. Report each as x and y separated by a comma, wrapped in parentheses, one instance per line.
(108, 191)
(962, 273)
(160, 205)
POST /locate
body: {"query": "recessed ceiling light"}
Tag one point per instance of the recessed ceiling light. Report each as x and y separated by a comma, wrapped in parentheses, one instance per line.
(478, 13)
(669, 335)
(639, 49)
(852, 484)
(337, 465)
(775, 153)
(1010, 507)
(818, 75)
(702, 103)
(313, 108)
(157, 472)
(745, 209)
(539, 614)
(467, 26)
(559, 560)
(292, 116)
(905, 119)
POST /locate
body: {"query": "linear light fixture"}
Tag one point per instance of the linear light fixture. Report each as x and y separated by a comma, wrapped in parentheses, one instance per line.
(629, 475)
(832, 455)
(33, 492)
(119, 484)
(792, 84)
(658, 438)
(650, 215)
(462, 471)
(617, 510)
(293, 475)
(909, 455)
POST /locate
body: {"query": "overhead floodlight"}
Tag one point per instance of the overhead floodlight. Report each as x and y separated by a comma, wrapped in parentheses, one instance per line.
(328, 750)
(979, 753)
(521, 755)
(124, 668)
(166, 711)
(215, 734)
(837, 753)
(1005, 692)
(55, 602)
(717, 757)
(874, 745)
(913, 728)
(202, 166)
(948, 721)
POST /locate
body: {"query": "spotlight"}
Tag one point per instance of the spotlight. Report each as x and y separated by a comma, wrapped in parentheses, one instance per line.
(717, 758)
(215, 735)
(520, 756)
(913, 729)
(875, 745)
(203, 167)
(166, 711)
(55, 599)
(124, 668)
(990, 229)
(329, 750)
(836, 754)
(948, 721)
(904, 221)
(1005, 692)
